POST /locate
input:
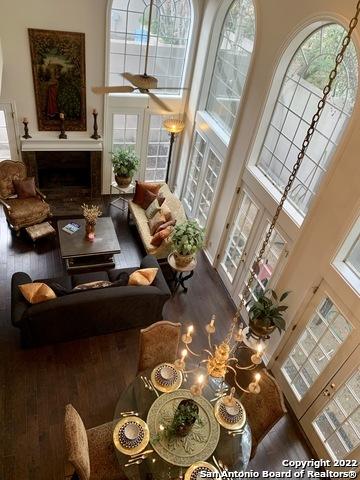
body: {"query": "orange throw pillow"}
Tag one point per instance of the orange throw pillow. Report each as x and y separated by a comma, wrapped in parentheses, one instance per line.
(165, 210)
(141, 188)
(37, 292)
(144, 276)
(165, 225)
(160, 236)
(155, 222)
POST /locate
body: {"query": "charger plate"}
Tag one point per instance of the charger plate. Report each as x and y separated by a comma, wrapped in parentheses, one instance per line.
(198, 445)
(194, 472)
(166, 385)
(229, 425)
(134, 447)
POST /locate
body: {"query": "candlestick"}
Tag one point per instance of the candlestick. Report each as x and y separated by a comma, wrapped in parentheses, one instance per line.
(254, 387)
(62, 126)
(180, 362)
(257, 357)
(95, 135)
(210, 327)
(229, 400)
(26, 130)
(239, 335)
(197, 388)
(187, 337)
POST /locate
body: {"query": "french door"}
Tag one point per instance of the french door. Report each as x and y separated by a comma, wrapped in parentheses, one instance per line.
(202, 180)
(332, 423)
(242, 245)
(8, 137)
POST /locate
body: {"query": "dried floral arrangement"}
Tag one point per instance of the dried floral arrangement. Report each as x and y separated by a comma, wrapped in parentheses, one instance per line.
(91, 213)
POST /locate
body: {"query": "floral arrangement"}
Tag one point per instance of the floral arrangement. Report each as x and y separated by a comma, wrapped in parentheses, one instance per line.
(91, 213)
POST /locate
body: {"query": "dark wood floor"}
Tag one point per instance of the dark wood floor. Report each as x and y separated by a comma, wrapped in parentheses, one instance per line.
(91, 374)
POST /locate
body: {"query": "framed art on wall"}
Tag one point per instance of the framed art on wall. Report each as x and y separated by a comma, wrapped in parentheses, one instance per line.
(58, 66)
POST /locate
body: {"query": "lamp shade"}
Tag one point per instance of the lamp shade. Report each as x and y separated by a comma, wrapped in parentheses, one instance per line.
(172, 125)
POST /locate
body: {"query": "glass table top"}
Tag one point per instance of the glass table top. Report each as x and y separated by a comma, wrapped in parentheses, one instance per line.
(234, 452)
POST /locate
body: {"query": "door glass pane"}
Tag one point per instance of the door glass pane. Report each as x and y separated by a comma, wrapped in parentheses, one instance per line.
(158, 150)
(239, 236)
(4, 139)
(196, 161)
(338, 425)
(326, 330)
(212, 173)
(124, 131)
(266, 267)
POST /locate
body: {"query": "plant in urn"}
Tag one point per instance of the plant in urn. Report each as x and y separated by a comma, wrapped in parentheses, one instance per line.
(91, 214)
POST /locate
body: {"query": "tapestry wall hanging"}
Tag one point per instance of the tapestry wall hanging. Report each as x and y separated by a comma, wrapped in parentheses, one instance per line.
(58, 65)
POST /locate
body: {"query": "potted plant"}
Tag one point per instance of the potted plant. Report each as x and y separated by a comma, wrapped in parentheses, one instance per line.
(266, 313)
(91, 214)
(125, 163)
(187, 238)
(185, 416)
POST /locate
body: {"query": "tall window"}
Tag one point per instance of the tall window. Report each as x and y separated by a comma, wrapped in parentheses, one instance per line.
(232, 63)
(169, 32)
(300, 92)
(4, 138)
(347, 261)
(158, 150)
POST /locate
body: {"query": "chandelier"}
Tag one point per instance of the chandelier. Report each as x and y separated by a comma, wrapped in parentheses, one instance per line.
(219, 359)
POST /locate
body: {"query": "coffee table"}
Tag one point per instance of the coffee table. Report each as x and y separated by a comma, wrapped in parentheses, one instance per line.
(80, 253)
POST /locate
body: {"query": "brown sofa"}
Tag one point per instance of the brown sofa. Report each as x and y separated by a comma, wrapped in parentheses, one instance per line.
(141, 222)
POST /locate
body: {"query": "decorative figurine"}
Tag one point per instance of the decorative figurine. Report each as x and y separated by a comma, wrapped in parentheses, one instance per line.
(95, 135)
(25, 122)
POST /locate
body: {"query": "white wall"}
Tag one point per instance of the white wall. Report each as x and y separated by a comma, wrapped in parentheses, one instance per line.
(85, 16)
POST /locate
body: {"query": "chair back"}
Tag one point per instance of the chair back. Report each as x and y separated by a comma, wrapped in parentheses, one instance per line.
(76, 443)
(9, 171)
(265, 409)
(158, 343)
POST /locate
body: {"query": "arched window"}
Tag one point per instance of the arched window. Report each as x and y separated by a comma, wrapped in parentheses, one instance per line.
(300, 92)
(232, 63)
(170, 33)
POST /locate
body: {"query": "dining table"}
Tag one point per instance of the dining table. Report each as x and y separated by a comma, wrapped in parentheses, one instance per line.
(233, 451)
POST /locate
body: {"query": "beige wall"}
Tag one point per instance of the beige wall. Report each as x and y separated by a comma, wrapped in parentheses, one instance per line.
(86, 16)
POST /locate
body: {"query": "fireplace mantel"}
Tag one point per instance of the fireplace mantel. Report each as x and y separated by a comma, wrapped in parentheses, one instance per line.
(49, 144)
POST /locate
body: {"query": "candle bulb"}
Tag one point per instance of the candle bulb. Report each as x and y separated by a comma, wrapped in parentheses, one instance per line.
(183, 355)
(257, 357)
(187, 337)
(197, 388)
(180, 362)
(254, 387)
(239, 335)
(210, 327)
(212, 323)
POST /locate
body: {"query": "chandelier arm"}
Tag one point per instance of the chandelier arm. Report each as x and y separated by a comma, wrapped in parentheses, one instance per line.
(209, 341)
(190, 351)
(309, 134)
(236, 382)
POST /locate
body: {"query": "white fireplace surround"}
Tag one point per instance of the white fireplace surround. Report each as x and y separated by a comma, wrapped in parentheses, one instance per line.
(48, 144)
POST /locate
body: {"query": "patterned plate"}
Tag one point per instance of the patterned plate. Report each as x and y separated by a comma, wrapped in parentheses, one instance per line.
(230, 417)
(131, 435)
(194, 472)
(166, 378)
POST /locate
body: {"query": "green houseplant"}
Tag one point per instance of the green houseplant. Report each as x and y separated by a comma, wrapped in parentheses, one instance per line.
(266, 313)
(185, 416)
(187, 239)
(125, 163)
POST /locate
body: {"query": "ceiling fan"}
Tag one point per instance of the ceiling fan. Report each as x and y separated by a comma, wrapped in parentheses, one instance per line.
(143, 83)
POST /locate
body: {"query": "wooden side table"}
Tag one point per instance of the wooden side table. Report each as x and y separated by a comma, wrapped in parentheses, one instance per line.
(181, 274)
(121, 202)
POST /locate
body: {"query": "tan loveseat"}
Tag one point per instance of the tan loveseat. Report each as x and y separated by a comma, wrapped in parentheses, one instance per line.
(141, 222)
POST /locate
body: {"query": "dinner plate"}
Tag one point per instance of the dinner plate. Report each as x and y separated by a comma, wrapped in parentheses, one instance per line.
(166, 378)
(230, 417)
(194, 472)
(131, 435)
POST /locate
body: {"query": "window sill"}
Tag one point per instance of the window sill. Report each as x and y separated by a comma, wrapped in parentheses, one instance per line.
(294, 216)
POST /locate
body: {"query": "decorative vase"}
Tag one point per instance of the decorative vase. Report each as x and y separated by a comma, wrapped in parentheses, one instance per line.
(182, 260)
(184, 428)
(258, 328)
(89, 230)
(122, 180)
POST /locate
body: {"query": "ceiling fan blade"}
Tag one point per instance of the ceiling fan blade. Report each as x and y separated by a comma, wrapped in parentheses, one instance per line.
(159, 102)
(169, 88)
(128, 76)
(115, 89)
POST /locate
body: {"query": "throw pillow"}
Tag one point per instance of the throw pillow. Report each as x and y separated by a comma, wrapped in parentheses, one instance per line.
(171, 223)
(158, 238)
(122, 280)
(149, 197)
(165, 210)
(25, 188)
(155, 222)
(144, 276)
(92, 285)
(141, 188)
(37, 292)
(161, 198)
(153, 208)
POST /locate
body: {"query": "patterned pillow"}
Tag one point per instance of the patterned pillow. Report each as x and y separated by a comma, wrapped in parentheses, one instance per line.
(37, 292)
(158, 238)
(143, 277)
(92, 285)
(153, 208)
(155, 222)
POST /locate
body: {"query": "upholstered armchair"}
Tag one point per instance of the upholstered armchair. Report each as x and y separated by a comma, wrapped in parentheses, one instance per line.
(90, 453)
(158, 343)
(20, 212)
(263, 410)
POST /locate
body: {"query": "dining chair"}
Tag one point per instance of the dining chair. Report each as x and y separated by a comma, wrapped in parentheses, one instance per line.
(263, 410)
(158, 343)
(90, 454)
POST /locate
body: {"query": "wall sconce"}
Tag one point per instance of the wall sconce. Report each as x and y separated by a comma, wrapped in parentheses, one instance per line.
(174, 127)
